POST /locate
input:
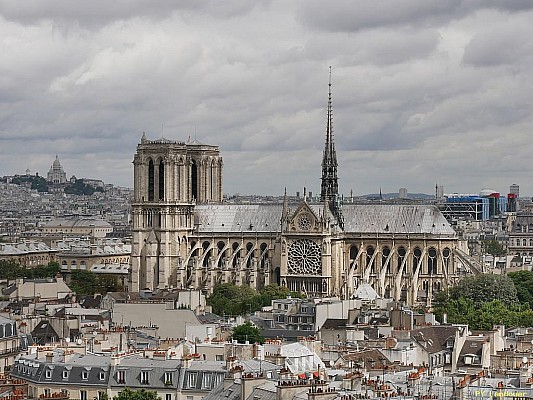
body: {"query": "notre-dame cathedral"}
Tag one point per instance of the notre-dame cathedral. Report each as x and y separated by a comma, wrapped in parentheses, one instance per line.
(185, 236)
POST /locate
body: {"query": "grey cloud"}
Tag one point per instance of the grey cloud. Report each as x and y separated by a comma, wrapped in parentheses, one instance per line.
(100, 12)
(501, 44)
(413, 97)
(352, 16)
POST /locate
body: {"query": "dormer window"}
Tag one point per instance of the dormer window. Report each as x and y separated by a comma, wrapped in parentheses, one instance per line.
(65, 374)
(48, 374)
(144, 377)
(168, 378)
(121, 376)
(84, 375)
(102, 376)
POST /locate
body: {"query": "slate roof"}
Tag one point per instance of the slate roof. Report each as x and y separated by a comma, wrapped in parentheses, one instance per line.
(266, 391)
(92, 370)
(433, 338)
(233, 392)
(472, 345)
(78, 222)
(44, 333)
(367, 357)
(25, 248)
(332, 323)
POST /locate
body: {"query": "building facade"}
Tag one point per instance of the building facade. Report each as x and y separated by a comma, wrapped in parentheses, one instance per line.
(185, 237)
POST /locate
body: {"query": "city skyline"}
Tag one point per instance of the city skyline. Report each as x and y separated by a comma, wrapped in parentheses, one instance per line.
(423, 92)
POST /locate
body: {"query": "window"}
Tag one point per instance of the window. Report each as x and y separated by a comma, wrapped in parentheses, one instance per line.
(168, 378)
(46, 392)
(102, 376)
(168, 396)
(144, 377)
(83, 394)
(101, 395)
(65, 374)
(48, 374)
(207, 381)
(84, 375)
(121, 377)
(219, 357)
(191, 379)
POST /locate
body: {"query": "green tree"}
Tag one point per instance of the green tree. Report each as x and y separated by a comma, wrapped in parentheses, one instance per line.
(83, 282)
(140, 394)
(247, 333)
(10, 270)
(523, 281)
(494, 247)
(484, 288)
(45, 271)
(228, 298)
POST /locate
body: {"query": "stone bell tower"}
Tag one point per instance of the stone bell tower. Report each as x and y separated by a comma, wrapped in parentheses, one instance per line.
(170, 177)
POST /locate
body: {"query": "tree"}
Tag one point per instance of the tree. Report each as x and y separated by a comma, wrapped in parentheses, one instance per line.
(10, 270)
(523, 281)
(484, 288)
(141, 394)
(230, 299)
(494, 247)
(247, 333)
(83, 282)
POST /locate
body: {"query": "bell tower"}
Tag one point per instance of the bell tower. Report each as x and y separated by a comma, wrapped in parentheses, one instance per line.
(170, 178)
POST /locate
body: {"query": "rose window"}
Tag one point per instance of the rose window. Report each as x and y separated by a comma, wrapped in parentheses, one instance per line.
(304, 222)
(304, 258)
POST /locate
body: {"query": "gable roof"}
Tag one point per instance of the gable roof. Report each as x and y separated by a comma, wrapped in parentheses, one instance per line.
(433, 338)
(358, 218)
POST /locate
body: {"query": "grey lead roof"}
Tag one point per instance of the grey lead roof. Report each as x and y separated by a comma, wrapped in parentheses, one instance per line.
(358, 218)
(239, 217)
(389, 218)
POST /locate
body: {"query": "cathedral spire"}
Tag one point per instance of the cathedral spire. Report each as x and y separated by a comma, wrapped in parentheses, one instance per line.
(329, 188)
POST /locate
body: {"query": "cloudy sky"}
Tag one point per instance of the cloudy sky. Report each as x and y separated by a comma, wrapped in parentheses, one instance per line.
(423, 91)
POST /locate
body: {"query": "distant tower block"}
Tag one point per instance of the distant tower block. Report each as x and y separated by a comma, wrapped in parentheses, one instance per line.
(440, 192)
(515, 189)
(403, 193)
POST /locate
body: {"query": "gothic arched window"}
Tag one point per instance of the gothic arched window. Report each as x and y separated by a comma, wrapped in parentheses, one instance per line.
(151, 181)
(161, 181)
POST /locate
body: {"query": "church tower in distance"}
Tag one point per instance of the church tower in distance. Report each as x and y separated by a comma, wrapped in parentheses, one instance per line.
(170, 177)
